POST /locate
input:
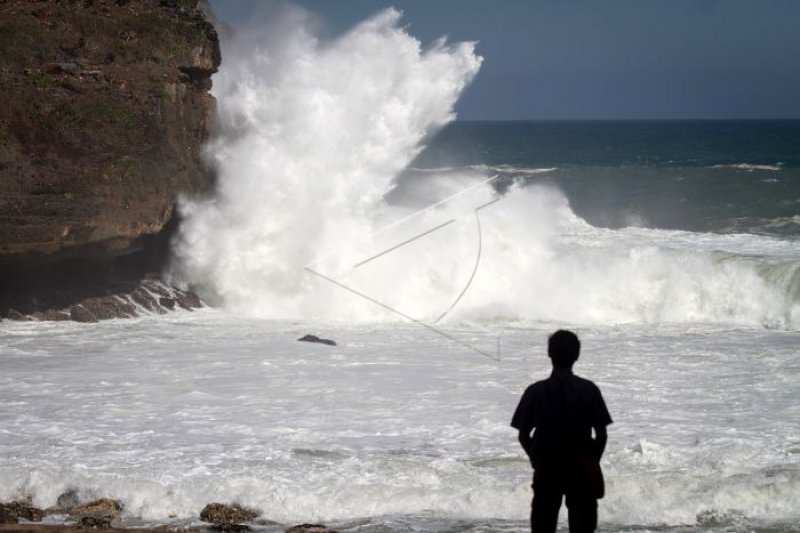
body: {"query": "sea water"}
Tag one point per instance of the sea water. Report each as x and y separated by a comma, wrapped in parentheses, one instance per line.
(439, 255)
(395, 428)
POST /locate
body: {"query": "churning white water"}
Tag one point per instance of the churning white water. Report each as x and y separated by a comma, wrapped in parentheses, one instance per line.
(395, 429)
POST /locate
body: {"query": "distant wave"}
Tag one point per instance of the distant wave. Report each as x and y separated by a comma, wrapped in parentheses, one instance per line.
(500, 169)
(750, 167)
(508, 169)
(433, 169)
(780, 225)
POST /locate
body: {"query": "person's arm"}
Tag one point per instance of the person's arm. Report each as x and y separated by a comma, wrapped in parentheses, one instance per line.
(600, 440)
(526, 442)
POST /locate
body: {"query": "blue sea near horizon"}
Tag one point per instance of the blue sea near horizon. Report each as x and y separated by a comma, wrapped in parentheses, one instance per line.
(720, 176)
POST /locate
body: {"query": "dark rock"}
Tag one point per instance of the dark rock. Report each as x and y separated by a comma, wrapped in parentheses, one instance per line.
(109, 307)
(68, 500)
(98, 513)
(6, 516)
(11, 512)
(227, 514)
(187, 300)
(91, 303)
(13, 314)
(51, 315)
(102, 505)
(79, 313)
(146, 299)
(314, 338)
(310, 528)
(95, 522)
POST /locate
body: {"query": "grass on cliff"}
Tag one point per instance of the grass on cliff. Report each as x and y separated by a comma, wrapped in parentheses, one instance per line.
(102, 121)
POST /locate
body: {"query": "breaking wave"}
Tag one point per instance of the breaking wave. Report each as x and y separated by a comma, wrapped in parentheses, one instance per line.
(314, 136)
(750, 167)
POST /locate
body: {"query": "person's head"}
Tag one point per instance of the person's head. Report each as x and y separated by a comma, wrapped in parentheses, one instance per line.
(563, 348)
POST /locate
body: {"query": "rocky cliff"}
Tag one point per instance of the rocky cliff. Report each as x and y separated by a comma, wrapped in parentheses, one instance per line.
(105, 112)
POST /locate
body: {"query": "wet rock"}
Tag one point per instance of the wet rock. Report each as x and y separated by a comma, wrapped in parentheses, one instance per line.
(92, 303)
(222, 515)
(310, 528)
(108, 307)
(98, 513)
(95, 522)
(314, 338)
(187, 300)
(11, 512)
(51, 315)
(144, 298)
(13, 314)
(79, 313)
(7, 517)
(68, 501)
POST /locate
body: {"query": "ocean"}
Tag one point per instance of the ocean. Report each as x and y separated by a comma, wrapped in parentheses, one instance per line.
(439, 255)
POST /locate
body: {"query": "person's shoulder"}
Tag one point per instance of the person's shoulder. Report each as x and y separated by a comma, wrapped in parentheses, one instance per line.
(585, 384)
(538, 384)
(535, 386)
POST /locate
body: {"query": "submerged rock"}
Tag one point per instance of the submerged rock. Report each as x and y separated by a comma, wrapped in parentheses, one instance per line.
(314, 338)
(226, 515)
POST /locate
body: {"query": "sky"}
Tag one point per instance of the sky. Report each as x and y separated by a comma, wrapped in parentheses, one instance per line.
(601, 59)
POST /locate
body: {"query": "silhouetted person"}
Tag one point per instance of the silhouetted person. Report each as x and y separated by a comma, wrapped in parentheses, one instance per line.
(561, 411)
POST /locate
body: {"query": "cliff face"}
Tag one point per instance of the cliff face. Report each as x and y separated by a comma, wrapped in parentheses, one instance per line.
(105, 111)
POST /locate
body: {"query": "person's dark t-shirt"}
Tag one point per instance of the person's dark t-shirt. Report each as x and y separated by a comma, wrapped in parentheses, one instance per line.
(562, 409)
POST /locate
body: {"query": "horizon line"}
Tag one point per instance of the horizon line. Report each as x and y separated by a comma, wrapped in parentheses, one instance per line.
(767, 119)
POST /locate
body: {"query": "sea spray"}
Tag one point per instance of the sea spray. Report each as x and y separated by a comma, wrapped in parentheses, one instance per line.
(312, 140)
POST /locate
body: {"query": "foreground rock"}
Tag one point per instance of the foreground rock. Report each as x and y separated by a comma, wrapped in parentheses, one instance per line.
(11, 512)
(98, 513)
(228, 517)
(314, 338)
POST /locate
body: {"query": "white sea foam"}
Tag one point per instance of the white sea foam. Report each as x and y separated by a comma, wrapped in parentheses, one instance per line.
(750, 167)
(170, 413)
